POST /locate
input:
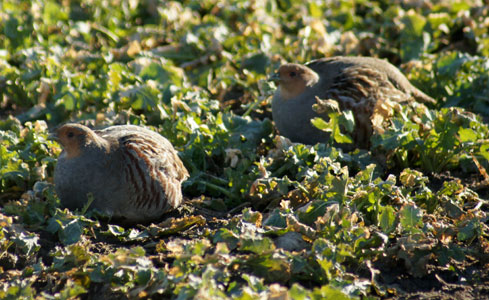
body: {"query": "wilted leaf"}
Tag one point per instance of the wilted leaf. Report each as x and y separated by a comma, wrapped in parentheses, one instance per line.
(28, 242)
(171, 225)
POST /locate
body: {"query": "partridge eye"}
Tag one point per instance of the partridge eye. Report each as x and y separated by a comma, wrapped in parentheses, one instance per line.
(70, 134)
(292, 74)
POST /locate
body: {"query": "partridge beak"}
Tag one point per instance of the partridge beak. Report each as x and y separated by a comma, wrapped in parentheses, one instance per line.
(274, 77)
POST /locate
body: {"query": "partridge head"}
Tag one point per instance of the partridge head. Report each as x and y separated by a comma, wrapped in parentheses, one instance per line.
(294, 79)
(77, 139)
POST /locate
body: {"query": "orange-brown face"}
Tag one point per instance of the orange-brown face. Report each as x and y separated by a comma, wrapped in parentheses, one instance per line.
(291, 73)
(72, 137)
(294, 79)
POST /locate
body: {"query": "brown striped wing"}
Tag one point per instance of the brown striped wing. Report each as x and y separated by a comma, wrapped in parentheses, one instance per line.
(153, 172)
(369, 94)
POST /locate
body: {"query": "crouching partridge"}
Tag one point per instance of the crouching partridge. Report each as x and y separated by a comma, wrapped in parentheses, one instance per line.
(131, 172)
(364, 85)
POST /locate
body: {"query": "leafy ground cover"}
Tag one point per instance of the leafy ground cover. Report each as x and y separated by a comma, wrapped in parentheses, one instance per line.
(264, 218)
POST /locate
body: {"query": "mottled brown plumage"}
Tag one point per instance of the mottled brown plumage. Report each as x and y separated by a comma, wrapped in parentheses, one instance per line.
(367, 86)
(132, 172)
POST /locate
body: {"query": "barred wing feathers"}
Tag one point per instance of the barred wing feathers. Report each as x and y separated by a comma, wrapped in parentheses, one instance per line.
(151, 169)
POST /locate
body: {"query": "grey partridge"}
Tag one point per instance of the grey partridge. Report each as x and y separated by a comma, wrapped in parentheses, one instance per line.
(364, 85)
(131, 172)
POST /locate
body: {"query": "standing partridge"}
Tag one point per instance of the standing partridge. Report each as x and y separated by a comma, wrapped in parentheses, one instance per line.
(365, 85)
(132, 173)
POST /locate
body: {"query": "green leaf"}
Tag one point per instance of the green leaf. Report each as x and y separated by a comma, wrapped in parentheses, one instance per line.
(411, 217)
(484, 151)
(143, 277)
(163, 74)
(11, 27)
(467, 135)
(321, 124)
(71, 232)
(225, 235)
(276, 219)
(53, 13)
(257, 245)
(71, 290)
(328, 292)
(413, 38)
(116, 230)
(347, 120)
(272, 267)
(470, 230)
(387, 219)
(257, 63)
(333, 126)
